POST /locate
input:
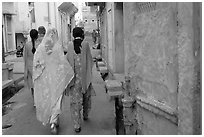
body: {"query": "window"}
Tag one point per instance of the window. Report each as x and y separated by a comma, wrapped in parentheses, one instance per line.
(9, 34)
(143, 7)
(92, 20)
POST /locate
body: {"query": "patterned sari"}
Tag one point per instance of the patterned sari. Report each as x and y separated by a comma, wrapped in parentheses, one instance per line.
(51, 74)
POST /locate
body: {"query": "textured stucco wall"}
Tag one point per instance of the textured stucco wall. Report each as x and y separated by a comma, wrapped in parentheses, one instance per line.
(197, 97)
(151, 60)
(118, 32)
(152, 124)
(110, 35)
(189, 68)
(162, 55)
(152, 52)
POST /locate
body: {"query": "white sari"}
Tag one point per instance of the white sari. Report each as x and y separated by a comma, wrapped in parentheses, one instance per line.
(51, 74)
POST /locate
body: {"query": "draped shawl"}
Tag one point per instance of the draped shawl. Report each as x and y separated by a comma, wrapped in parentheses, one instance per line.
(51, 74)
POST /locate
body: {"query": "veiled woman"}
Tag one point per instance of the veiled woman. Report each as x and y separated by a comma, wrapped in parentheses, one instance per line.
(80, 88)
(51, 74)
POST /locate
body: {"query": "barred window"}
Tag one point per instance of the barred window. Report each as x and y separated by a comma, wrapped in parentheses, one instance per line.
(143, 7)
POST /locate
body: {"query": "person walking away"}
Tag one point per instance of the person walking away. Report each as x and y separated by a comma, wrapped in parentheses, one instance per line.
(29, 51)
(94, 35)
(51, 75)
(80, 87)
(41, 32)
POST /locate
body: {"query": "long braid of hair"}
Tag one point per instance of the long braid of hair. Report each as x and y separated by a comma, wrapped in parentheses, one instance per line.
(33, 44)
(34, 36)
(77, 45)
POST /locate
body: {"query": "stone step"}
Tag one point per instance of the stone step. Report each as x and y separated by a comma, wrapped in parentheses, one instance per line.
(101, 64)
(114, 88)
(103, 70)
(6, 83)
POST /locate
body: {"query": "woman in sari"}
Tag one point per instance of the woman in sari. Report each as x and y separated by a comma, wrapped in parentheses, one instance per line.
(80, 88)
(29, 51)
(51, 75)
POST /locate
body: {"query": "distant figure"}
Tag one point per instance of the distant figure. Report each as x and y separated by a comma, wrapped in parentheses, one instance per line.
(94, 35)
(80, 88)
(20, 48)
(29, 51)
(41, 33)
(51, 75)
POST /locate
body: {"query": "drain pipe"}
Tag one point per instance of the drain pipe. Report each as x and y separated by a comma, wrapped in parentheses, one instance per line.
(128, 112)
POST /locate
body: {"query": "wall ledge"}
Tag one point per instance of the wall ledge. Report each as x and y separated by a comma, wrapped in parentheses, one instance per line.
(158, 108)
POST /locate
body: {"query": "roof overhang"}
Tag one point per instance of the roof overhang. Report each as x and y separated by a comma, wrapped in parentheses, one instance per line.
(6, 12)
(68, 7)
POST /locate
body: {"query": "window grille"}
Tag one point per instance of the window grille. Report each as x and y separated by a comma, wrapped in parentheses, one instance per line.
(143, 7)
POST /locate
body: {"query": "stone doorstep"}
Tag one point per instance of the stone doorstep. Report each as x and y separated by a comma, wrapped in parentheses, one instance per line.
(7, 83)
(115, 93)
(114, 88)
(158, 108)
(103, 70)
(19, 79)
(101, 64)
(113, 84)
(119, 77)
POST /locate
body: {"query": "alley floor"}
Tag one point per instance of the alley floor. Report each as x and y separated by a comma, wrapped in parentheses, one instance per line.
(21, 117)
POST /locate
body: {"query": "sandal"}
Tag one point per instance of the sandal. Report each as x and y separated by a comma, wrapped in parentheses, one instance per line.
(53, 128)
(77, 130)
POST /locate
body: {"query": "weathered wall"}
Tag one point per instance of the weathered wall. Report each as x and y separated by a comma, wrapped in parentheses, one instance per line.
(151, 60)
(152, 53)
(89, 15)
(23, 21)
(118, 32)
(153, 124)
(197, 97)
(110, 35)
(103, 33)
(8, 25)
(41, 14)
(162, 55)
(189, 111)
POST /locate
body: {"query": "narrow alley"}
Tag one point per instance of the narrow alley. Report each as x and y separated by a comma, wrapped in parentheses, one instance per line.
(146, 75)
(23, 119)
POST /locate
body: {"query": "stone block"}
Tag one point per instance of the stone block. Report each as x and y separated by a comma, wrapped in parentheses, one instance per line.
(115, 93)
(6, 83)
(113, 85)
(7, 71)
(114, 88)
(103, 70)
(101, 64)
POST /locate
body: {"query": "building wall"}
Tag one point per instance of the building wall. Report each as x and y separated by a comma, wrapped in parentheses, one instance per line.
(152, 52)
(41, 14)
(88, 15)
(22, 19)
(189, 93)
(119, 39)
(153, 124)
(151, 60)
(162, 56)
(110, 35)
(103, 33)
(8, 20)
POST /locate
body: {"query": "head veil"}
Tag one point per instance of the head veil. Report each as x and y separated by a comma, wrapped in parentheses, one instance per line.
(51, 74)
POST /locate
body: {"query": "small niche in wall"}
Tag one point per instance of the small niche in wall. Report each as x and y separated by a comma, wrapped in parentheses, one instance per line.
(143, 7)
